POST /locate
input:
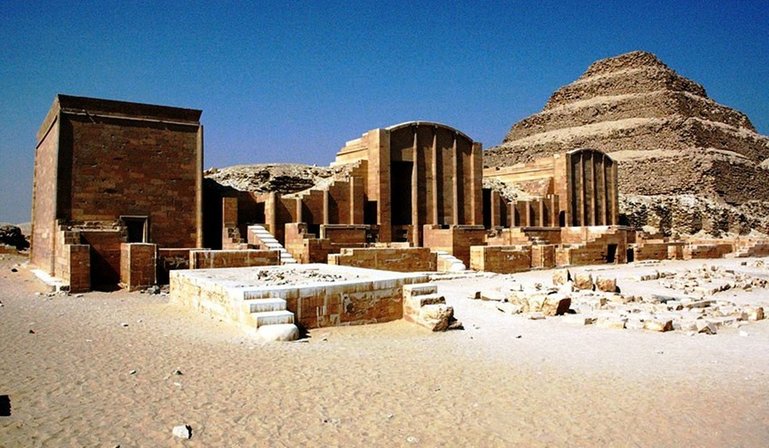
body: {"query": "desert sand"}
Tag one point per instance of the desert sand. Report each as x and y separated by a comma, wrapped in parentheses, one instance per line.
(122, 369)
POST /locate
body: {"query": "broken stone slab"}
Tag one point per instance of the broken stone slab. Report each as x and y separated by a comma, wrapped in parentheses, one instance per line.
(278, 332)
(561, 277)
(436, 317)
(578, 319)
(611, 322)
(536, 316)
(700, 303)
(634, 324)
(755, 313)
(583, 280)
(509, 308)
(647, 277)
(491, 295)
(685, 325)
(660, 325)
(606, 284)
(706, 327)
(548, 304)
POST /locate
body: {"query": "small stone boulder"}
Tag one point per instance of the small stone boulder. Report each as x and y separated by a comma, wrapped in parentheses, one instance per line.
(182, 431)
(437, 317)
(606, 284)
(706, 327)
(756, 313)
(583, 280)
(660, 325)
(561, 276)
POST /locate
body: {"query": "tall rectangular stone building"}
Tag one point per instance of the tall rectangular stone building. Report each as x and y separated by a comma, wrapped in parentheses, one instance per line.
(111, 172)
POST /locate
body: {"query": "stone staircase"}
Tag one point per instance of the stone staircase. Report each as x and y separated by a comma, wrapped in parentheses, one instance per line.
(449, 263)
(258, 235)
(273, 322)
(424, 306)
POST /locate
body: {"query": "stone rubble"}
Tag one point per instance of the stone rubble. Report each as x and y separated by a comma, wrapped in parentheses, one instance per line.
(690, 308)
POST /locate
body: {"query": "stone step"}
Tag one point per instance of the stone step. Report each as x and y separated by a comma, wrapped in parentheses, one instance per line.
(273, 318)
(419, 289)
(263, 305)
(427, 299)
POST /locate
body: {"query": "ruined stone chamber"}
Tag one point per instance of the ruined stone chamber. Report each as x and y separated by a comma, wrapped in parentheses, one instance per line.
(318, 295)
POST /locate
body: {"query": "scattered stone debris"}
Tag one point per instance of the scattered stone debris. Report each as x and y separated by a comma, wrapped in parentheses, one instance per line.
(182, 431)
(597, 301)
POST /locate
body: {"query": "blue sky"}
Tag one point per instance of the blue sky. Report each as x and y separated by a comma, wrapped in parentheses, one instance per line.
(292, 81)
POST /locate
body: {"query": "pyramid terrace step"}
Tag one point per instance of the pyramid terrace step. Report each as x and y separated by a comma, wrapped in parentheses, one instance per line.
(273, 318)
(264, 305)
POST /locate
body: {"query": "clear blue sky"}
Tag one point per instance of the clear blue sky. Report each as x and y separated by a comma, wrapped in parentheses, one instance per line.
(292, 81)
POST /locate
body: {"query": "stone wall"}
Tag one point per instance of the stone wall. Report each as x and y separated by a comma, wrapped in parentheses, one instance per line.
(455, 240)
(411, 259)
(500, 259)
(170, 259)
(207, 259)
(138, 268)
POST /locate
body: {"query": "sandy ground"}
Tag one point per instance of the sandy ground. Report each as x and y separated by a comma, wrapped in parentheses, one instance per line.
(503, 381)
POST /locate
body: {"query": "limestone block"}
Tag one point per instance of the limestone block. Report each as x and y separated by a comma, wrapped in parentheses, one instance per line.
(660, 325)
(437, 317)
(635, 324)
(706, 327)
(611, 322)
(583, 280)
(685, 325)
(561, 276)
(756, 313)
(274, 333)
(547, 304)
(606, 284)
(509, 308)
(578, 319)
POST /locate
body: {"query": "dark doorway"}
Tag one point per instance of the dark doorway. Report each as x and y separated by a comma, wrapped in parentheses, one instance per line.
(136, 228)
(370, 213)
(400, 192)
(611, 253)
(486, 208)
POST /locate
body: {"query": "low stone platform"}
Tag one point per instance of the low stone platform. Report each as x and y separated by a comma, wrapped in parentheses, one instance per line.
(319, 295)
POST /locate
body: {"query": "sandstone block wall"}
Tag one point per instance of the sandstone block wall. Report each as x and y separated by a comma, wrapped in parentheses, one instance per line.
(455, 240)
(411, 259)
(170, 259)
(207, 259)
(500, 259)
(138, 268)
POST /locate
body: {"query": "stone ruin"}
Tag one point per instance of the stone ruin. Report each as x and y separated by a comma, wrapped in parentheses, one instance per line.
(120, 198)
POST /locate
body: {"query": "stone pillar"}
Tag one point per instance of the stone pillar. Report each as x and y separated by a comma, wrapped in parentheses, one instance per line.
(415, 190)
(199, 189)
(434, 171)
(495, 212)
(455, 183)
(325, 207)
(298, 209)
(477, 178)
